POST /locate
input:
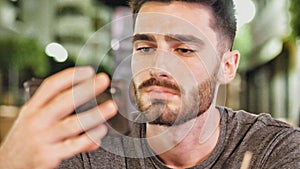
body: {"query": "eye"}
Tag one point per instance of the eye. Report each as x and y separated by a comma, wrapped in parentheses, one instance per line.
(185, 51)
(145, 49)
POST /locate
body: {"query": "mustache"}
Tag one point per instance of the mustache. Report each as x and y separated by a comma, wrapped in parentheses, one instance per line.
(162, 83)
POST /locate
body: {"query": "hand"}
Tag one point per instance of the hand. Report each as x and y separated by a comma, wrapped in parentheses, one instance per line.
(45, 133)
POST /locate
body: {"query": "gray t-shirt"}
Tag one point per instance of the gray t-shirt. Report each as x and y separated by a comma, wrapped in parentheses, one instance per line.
(274, 144)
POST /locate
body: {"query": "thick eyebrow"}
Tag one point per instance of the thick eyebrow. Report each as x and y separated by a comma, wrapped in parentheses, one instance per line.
(143, 37)
(184, 39)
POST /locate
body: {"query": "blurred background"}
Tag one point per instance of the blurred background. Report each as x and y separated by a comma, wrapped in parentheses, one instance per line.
(41, 37)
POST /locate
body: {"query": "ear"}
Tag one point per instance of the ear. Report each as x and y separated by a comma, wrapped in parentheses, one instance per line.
(228, 66)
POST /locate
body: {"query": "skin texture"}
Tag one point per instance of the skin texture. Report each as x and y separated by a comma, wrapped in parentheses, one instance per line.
(179, 99)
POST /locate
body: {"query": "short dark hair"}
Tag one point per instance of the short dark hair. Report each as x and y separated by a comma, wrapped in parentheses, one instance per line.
(224, 15)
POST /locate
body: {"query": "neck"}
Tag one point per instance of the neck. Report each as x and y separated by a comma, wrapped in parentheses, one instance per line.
(188, 144)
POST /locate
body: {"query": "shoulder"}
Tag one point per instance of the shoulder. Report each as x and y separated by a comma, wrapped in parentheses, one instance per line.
(259, 130)
(265, 123)
(242, 117)
(265, 126)
(274, 143)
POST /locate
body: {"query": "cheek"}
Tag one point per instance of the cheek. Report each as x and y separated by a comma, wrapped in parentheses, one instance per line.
(144, 99)
(140, 63)
(139, 77)
(198, 72)
(201, 71)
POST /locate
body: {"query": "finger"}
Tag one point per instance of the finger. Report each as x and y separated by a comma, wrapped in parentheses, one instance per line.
(65, 103)
(57, 83)
(76, 124)
(88, 141)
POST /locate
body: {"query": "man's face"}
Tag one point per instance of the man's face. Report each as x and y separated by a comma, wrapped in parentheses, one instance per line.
(174, 62)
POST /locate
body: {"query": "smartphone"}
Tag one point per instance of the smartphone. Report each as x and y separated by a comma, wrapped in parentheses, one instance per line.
(119, 125)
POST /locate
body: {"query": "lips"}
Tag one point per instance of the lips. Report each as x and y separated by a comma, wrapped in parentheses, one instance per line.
(158, 92)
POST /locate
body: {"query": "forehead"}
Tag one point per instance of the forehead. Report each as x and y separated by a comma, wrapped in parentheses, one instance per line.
(176, 18)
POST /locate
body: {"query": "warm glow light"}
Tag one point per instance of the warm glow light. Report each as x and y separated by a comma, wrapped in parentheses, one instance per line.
(245, 11)
(57, 51)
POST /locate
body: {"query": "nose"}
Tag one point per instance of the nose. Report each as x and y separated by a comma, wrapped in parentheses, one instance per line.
(159, 66)
(159, 73)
